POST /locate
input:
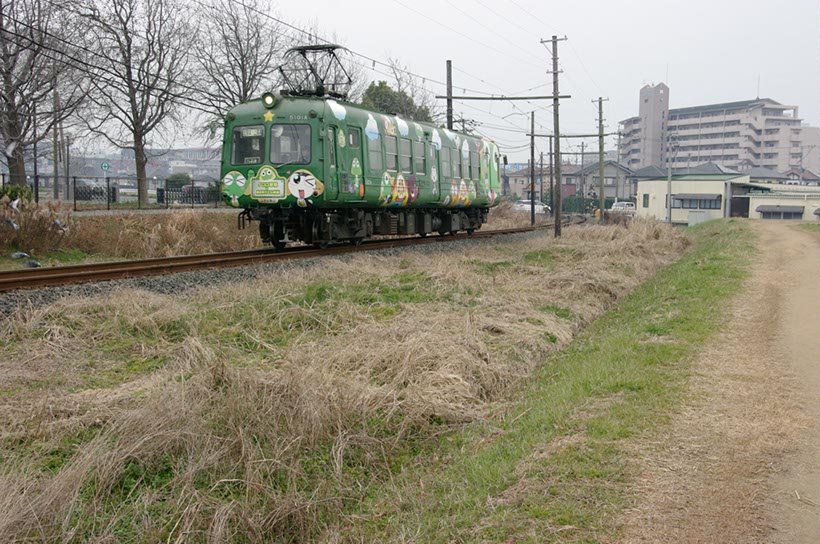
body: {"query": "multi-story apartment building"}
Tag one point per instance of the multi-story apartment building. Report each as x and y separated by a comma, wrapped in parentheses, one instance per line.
(740, 135)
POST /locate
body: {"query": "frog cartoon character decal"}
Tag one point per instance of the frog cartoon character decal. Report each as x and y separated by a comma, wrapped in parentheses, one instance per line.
(233, 186)
(356, 185)
(303, 185)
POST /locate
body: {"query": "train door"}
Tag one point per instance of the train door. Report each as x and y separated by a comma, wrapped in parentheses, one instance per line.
(352, 172)
(331, 156)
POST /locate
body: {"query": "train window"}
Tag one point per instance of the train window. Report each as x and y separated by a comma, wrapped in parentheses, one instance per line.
(456, 162)
(374, 154)
(290, 144)
(353, 138)
(248, 145)
(406, 159)
(446, 171)
(391, 152)
(420, 160)
(473, 165)
(331, 145)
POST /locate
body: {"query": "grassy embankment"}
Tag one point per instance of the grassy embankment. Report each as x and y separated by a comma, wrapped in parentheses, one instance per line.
(371, 398)
(554, 466)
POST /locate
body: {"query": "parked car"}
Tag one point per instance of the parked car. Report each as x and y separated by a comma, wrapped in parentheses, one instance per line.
(627, 208)
(524, 205)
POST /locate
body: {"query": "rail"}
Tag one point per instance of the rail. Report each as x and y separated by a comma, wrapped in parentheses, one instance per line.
(117, 270)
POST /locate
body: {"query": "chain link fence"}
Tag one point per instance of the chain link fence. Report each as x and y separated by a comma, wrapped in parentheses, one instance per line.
(113, 193)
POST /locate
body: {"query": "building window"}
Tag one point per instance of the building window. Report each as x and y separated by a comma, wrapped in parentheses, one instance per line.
(646, 200)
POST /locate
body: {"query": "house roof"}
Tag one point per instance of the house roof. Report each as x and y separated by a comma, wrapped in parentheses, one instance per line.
(805, 175)
(710, 168)
(760, 172)
(594, 167)
(707, 177)
(649, 172)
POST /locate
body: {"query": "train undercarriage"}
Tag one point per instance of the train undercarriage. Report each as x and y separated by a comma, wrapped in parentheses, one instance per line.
(280, 226)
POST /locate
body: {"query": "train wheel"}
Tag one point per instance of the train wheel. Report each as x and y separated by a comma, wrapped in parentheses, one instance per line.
(470, 232)
(278, 235)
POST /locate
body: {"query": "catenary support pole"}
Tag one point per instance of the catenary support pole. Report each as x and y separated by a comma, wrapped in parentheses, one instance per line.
(532, 168)
(583, 180)
(557, 134)
(668, 182)
(552, 189)
(541, 177)
(601, 206)
(450, 95)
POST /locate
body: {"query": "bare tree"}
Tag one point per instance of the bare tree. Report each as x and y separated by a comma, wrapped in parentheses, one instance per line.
(140, 71)
(239, 48)
(414, 87)
(38, 58)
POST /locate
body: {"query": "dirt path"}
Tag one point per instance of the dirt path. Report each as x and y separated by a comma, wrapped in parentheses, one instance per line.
(741, 462)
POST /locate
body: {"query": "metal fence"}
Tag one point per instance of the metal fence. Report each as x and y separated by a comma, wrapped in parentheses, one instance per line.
(112, 193)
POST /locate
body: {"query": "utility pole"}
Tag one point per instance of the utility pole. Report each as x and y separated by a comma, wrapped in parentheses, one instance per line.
(552, 190)
(556, 132)
(541, 177)
(583, 180)
(601, 155)
(36, 175)
(532, 168)
(450, 95)
(55, 187)
(668, 179)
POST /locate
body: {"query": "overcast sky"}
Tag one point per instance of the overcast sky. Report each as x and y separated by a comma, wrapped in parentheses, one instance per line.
(707, 51)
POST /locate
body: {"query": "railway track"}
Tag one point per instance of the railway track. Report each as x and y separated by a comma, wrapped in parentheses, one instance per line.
(84, 273)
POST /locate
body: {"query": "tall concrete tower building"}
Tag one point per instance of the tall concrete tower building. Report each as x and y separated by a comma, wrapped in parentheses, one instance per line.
(643, 137)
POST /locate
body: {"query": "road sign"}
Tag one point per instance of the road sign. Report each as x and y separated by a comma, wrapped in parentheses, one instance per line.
(105, 166)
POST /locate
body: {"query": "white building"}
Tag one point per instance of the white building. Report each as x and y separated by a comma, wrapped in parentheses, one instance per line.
(697, 198)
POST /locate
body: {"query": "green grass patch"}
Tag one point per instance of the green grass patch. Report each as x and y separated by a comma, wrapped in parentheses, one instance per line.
(558, 311)
(558, 457)
(811, 227)
(539, 258)
(491, 268)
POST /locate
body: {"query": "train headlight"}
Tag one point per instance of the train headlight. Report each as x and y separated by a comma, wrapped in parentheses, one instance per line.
(269, 100)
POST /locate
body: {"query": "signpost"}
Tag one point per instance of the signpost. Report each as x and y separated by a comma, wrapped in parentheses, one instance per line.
(105, 166)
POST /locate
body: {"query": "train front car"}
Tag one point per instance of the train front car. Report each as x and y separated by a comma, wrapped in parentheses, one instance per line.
(272, 164)
(321, 171)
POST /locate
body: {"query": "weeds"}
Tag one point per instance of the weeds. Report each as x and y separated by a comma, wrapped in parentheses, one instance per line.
(267, 410)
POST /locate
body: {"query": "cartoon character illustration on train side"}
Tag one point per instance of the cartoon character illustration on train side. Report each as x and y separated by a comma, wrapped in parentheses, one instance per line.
(400, 193)
(412, 188)
(386, 190)
(304, 185)
(233, 185)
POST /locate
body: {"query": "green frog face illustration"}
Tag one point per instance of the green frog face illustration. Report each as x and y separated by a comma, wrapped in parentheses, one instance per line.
(233, 185)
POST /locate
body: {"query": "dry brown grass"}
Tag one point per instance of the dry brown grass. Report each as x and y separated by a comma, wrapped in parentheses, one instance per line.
(38, 233)
(505, 216)
(258, 411)
(162, 235)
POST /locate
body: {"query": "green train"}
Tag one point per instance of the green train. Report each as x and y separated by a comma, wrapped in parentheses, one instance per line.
(320, 170)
